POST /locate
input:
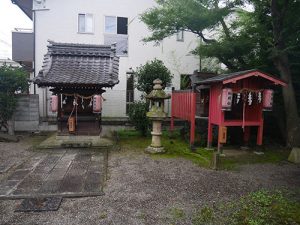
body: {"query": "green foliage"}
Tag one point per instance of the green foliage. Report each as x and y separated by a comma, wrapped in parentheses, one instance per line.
(242, 42)
(260, 38)
(12, 80)
(191, 15)
(177, 213)
(146, 74)
(137, 116)
(185, 82)
(205, 215)
(257, 208)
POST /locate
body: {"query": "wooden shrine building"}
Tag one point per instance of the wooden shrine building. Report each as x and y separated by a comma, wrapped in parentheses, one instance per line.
(227, 100)
(76, 74)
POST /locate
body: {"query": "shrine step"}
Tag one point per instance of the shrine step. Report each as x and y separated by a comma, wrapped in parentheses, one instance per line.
(70, 144)
(57, 141)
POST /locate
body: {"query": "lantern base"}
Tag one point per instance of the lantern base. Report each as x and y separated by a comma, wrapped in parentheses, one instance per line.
(154, 150)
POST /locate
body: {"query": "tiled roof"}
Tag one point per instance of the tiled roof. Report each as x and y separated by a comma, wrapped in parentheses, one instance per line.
(200, 76)
(79, 64)
(223, 77)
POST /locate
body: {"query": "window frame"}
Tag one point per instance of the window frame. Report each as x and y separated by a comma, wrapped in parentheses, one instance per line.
(85, 23)
(116, 23)
(105, 32)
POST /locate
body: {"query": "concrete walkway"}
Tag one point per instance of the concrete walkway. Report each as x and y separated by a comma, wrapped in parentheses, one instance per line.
(57, 172)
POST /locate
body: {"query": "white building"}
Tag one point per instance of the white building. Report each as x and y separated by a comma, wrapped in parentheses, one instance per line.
(105, 22)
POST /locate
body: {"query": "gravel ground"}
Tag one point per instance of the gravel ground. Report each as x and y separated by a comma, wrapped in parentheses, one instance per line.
(144, 190)
(12, 154)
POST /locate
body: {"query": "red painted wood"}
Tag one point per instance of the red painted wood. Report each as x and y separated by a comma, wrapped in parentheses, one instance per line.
(260, 134)
(172, 110)
(275, 80)
(209, 129)
(192, 102)
(184, 105)
(239, 123)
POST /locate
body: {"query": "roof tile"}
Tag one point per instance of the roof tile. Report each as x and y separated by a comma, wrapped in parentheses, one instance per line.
(79, 64)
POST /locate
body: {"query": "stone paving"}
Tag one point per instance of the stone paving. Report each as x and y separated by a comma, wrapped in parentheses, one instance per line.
(60, 172)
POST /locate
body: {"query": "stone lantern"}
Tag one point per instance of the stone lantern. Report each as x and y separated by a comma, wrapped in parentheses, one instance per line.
(156, 113)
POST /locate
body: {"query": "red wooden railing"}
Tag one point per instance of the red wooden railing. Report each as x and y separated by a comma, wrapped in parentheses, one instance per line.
(184, 107)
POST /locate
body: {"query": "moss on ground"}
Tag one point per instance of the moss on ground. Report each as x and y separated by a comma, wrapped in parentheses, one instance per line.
(35, 139)
(257, 208)
(176, 146)
(176, 214)
(269, 156)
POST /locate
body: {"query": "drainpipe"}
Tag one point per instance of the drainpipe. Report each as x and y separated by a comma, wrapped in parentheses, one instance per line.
(34, 33)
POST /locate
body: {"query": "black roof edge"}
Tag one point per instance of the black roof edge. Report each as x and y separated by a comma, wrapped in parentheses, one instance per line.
(26, 8)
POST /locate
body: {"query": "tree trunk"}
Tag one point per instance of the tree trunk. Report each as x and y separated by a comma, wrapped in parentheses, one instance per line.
(281, 62)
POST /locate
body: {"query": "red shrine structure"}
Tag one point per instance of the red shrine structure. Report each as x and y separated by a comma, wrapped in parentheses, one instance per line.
(227, 100)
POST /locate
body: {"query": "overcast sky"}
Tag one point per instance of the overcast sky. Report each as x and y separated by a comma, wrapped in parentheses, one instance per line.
(11, 17)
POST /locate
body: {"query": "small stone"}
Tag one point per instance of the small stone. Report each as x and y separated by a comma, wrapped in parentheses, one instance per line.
(258, 153)
(294, 155)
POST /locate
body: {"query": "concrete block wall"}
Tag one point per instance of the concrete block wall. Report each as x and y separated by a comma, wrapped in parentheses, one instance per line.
(26, 115)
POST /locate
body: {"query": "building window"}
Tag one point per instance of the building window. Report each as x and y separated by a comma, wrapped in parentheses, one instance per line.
(180, 35)
(85, 23)
(129, 92)
(116, 25)
(116, 31)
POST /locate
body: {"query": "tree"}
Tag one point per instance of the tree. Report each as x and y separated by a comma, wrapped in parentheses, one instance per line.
(262, 38)
(12, 80)
(146, 74)
(144, 77)
(137, 116)
(194, 16)
(279, 11)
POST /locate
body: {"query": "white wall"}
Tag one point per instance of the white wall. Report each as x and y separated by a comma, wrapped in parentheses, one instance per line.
(59, 23)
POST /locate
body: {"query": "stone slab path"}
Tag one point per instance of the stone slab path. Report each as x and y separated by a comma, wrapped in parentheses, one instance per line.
(60, 172)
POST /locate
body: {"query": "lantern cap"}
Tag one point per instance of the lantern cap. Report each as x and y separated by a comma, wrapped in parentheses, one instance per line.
(157, 92)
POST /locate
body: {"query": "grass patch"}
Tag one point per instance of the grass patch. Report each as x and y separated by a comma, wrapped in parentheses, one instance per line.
(176, 146)
(35, 139)
(269, 156)
(257, 208)
(177, 213)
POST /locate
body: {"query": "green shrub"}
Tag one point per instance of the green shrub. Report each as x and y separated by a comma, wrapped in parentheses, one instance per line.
(137, 116)
(12, 80)
(146, 74)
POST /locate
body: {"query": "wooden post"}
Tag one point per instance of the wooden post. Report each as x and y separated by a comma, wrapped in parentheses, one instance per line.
(215, 160)
(222, 137)
(209, 135)
(172, 123)
(172, 110)
(260, 134)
